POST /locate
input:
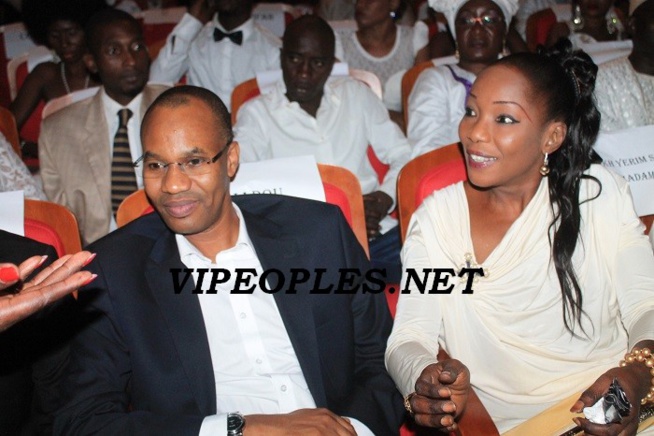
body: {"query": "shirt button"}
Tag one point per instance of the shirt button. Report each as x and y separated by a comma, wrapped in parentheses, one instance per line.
(283, 388)
(243, 315)
(259, 361)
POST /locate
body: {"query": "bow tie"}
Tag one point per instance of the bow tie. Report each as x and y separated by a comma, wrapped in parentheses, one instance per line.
(235, 37)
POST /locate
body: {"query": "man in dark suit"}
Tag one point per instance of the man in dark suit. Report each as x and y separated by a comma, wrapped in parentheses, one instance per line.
(159, 358)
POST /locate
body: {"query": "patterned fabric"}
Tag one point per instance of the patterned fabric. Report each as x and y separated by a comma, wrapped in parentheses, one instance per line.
(14, 175)
(624, 96)
(123, 179)
(401, 56)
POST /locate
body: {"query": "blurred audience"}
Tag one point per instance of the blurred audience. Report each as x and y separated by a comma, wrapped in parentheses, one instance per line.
(59, 25)
(625, 86)
(437, 101)
(592, 21)
(86, 150)
(383, 47)
(217, 45)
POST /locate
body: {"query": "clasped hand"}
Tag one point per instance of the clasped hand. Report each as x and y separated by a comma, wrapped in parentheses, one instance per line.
(441, 394)
(634, 379)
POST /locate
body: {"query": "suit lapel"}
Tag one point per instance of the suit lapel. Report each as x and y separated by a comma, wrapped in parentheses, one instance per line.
(185, 322)
(283, 253)
(95, 138)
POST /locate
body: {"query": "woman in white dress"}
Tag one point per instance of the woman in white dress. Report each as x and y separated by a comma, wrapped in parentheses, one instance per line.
(568, 284)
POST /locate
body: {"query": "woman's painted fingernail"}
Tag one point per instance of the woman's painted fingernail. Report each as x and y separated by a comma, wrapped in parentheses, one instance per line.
(93, 276)
(8, 274)
(43, 258)
(87, 261)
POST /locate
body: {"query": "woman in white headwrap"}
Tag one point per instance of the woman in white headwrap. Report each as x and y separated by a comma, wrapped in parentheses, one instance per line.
(437, 102)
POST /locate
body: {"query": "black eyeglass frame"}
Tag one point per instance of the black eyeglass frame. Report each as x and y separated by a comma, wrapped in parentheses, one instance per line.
(136, 163)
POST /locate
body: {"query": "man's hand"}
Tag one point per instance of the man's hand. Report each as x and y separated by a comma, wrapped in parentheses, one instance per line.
(441, 394)
(635, 380)
(375, 205)
(302, 422)
(57, 280)
(203, 10)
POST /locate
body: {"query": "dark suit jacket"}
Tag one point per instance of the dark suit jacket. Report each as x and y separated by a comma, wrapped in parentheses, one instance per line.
(143, 366)
(33, 353)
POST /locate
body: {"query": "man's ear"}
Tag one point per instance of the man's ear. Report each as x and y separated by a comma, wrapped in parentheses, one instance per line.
(89, 61)
(554, 136)
(233, 157)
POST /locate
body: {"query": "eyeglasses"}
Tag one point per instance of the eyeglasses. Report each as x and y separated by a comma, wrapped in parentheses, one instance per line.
(484, 20)
(194, 166)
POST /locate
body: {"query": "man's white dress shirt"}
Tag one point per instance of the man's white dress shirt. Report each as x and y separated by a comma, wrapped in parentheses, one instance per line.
(350, 117)
(217, 66)
(255, 367)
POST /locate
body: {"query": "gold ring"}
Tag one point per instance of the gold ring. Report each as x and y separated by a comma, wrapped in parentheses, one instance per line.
(407, 403)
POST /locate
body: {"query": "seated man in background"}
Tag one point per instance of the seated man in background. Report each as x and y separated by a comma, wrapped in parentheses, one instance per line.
(163, 355)
(86, 149)
(334, 120)
(625, 86)
(218, 45)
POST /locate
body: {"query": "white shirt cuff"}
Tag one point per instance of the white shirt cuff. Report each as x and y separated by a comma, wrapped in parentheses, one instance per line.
(214, 425)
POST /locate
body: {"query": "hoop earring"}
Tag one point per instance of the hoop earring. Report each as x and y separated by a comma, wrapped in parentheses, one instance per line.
(545, 168)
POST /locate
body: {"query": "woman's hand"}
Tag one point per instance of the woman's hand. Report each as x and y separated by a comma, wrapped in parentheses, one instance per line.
(441, 394)
(635, 379)
(55, 281)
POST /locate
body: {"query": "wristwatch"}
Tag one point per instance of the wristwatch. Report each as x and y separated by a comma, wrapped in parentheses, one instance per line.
(235, 424)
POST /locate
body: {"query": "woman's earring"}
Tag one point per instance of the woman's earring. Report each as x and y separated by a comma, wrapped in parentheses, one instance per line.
(456, 53)
(545, 168)
(577, 19)
(393, 15)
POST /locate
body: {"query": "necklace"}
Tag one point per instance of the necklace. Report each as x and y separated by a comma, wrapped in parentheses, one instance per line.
(63, 79)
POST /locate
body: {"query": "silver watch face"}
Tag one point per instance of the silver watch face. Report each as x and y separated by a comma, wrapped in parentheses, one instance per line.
(235, 423)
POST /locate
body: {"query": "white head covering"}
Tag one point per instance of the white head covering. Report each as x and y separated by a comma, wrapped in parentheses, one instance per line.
(450, 8)
(633, 4)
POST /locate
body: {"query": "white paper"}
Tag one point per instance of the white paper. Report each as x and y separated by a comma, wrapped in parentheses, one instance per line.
(630, 153)
(292, 176)
(17, 40)
(12, 212)
(272, 16)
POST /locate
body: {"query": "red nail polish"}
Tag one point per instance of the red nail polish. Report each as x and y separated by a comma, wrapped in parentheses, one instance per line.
(91, 257)
(8, 274)
(90, 280)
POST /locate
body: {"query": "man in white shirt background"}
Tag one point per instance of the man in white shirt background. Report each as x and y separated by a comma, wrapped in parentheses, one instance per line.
(334, 120)
(217, 45)
(159, 358)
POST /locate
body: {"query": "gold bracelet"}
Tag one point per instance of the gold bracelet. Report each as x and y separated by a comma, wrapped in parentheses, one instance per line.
(644, 356)
(407, 403)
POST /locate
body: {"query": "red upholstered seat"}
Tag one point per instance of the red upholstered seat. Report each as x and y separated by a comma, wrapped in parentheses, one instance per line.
(439, 177)
(42, 232)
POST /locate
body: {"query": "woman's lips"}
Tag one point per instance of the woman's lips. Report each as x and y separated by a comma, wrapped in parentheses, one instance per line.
(478, 160)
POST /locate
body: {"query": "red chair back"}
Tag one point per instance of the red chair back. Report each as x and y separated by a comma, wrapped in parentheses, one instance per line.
(439, 177)
(44, 233)
(425, 174)
(538, 27)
